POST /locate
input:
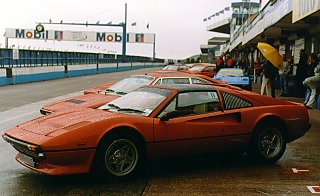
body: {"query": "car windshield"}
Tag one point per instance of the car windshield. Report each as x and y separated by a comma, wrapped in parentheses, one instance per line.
(230, 72)
(140, 102)
(196, 68)
(128, 84)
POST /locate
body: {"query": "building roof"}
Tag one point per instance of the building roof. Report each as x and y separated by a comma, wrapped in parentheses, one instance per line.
(222, 26)
(218, 40)
(245, 4)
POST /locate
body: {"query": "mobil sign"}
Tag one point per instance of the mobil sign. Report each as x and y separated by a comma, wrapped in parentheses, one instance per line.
(88, 36)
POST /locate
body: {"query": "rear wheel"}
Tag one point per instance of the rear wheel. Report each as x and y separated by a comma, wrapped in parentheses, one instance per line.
(119, 157)
(269, 144)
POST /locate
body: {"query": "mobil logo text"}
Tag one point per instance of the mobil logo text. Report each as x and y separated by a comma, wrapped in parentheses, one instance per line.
(25, 34)
(109, 37)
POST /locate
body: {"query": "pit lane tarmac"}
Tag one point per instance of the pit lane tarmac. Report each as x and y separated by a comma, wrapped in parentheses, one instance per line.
(296, 173)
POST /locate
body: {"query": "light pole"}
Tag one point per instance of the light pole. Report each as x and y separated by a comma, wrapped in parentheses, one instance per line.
(124, 35)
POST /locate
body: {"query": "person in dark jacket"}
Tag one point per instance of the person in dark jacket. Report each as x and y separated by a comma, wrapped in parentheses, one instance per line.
(268, 82)
(301, 74)
(311, 64)
(219, 63)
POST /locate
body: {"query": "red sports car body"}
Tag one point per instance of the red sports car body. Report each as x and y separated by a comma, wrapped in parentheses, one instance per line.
(158, 121)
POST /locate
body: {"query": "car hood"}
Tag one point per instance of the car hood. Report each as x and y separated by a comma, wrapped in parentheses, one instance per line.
(82, 101)
(47, 125)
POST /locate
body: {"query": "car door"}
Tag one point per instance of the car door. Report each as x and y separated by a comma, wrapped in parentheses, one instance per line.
(238, 122)
(197, 128)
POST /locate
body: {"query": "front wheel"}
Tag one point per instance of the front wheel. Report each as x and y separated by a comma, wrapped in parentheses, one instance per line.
(119, 157)
(269, 144)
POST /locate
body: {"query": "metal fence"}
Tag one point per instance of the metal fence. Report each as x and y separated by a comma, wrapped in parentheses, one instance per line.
(36, 58)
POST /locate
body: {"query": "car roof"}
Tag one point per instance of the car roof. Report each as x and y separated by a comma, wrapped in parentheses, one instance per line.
(231, 69)
(159, 74)
(204, 64)
(185, 87)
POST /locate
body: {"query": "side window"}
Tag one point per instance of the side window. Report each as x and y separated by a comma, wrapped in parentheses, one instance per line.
(170, 108)
(199, 81)
(175, 81)
(234, 102)
(192, 103)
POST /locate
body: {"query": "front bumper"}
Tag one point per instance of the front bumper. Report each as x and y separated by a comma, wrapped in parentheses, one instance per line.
(52, 162)
(63, 162)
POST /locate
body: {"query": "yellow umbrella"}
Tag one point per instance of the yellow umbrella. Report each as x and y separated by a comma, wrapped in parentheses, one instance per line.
(271, 54)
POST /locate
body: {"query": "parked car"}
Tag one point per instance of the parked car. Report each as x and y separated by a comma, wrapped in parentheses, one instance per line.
(203, 69)
(174, 67)
(102, 94)
(235, 76)
(117, 138)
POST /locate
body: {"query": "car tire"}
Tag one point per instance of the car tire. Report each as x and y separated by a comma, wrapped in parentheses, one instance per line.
(119, 157)
(269, 144)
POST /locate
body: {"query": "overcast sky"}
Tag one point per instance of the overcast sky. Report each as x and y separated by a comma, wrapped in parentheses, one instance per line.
(178, 24)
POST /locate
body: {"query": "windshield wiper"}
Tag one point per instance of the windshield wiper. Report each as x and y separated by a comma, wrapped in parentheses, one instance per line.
(108, 90)
(113, 106)
(130, 110)
(121, 93)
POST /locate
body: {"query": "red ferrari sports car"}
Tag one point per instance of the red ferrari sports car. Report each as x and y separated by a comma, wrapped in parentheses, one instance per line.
(117, 138)
(175, 67)
(202, 69)
(102, 94)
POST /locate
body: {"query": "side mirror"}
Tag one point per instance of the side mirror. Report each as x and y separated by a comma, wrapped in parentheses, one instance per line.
(164, 118)
(169, 115)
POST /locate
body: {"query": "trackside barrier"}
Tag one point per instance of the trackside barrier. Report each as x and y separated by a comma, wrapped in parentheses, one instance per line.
(18, 75)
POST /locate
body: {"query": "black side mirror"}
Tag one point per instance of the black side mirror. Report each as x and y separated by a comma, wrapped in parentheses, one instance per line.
(164, 118)
(169, 115)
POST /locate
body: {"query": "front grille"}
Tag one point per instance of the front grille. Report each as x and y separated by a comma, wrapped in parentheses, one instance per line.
(23, 147)
(24, 150)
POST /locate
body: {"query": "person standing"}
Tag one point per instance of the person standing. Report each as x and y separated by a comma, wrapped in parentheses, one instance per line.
(219, 63)
(301, 74)
(268, 79)
(311, 64)
(265, 84)
(283, 73)
(313, 83)
(229, 61)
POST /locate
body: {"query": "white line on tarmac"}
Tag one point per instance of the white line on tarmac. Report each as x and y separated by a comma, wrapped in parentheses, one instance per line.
(314, 189)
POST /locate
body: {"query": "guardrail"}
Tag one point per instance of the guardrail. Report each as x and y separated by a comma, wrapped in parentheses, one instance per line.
(33, 65)
(18, 75)
(36, 58)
